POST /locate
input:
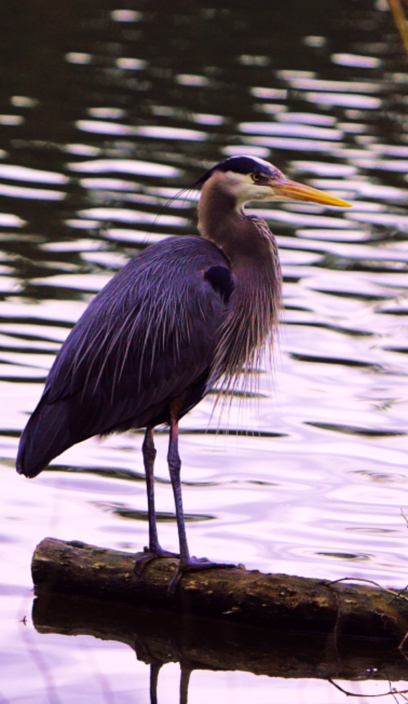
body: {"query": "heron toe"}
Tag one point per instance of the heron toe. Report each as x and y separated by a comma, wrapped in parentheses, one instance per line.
(194, 564)
(150, 555)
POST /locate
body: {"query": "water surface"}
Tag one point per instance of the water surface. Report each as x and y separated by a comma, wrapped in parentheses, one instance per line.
(106, 112)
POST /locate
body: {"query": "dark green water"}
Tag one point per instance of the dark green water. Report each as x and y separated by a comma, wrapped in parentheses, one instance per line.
(106, 111)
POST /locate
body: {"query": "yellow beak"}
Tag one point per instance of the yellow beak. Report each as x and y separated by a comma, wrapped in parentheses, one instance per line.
(291, 190)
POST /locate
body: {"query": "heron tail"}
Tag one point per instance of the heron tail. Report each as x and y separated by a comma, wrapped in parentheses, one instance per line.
(45, 436)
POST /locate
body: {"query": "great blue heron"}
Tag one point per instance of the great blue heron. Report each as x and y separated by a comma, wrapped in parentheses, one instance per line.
(181, 315)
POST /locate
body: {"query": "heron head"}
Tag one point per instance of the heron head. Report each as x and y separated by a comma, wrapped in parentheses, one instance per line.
(248, 178)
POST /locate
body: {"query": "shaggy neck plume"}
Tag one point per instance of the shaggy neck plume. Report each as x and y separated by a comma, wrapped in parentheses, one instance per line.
(251, 249)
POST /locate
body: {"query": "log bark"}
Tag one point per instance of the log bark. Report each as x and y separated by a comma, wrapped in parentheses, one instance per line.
(261, 601)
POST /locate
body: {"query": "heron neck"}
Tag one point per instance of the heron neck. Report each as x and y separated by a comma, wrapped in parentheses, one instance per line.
(256, 299)
(229, 228)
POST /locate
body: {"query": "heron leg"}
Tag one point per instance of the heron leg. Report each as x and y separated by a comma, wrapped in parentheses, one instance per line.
(149, 456)
(154, 550)
(187, 563)
(174, 461)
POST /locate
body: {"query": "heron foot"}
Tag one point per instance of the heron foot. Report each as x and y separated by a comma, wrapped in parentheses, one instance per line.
(194, 564)
(151, 554)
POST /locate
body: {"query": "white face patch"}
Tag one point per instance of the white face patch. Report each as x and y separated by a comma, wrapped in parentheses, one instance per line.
(243, 188)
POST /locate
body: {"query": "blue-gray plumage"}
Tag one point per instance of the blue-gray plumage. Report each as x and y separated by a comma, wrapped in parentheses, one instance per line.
(183, 314)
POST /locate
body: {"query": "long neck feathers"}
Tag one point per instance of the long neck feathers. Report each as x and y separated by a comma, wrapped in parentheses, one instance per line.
(254, 305)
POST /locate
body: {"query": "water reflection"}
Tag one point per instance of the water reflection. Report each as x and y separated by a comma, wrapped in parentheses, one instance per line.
(199, 644)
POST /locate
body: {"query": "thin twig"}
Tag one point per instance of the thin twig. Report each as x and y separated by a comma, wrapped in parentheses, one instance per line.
(392, 692)
(396, 595)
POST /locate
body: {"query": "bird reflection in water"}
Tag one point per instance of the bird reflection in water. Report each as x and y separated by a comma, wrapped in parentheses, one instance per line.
(221, 645)
(179, 317)
(185, 674)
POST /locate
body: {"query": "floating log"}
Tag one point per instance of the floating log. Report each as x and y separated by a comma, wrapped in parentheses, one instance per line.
(266, 601)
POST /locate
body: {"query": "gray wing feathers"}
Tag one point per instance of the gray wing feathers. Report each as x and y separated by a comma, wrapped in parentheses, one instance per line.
(147, 336)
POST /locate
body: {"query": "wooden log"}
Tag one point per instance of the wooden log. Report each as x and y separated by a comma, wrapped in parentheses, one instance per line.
(233, 595)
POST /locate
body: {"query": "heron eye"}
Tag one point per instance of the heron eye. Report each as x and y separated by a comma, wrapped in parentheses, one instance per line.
(256, 177)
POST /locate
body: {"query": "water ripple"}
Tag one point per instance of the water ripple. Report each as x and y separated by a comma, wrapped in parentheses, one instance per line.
(290, 130)
(127, 166)
(149, 131)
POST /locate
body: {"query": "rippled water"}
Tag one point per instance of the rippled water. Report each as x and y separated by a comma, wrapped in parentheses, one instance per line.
(106, 112)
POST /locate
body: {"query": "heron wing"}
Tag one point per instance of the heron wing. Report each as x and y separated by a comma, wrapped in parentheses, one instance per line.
(147, 337)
